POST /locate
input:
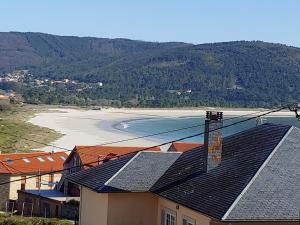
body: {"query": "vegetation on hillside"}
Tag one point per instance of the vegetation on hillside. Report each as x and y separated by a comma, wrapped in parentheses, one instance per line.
(147, 74)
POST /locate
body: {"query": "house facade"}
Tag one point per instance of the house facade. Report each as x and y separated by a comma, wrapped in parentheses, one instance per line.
(146, 209)
(135, 208)
(20, 171)
(251, 177)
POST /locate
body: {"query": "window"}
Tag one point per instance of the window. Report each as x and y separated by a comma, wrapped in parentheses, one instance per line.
(26, 160)
(40, 159)
(9, 161)
(50, 158)
(38, 181)
(188, 221)
(168, 217)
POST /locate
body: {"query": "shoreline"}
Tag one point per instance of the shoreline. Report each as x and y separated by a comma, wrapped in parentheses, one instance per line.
(96, 127)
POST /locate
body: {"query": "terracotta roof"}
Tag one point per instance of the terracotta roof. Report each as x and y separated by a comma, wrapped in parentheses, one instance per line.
(184, 146)
(31, 163)
(90, 154)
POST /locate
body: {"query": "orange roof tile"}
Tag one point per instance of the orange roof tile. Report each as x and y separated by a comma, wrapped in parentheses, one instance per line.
(184, 146)
(90, 154)
(31, 163)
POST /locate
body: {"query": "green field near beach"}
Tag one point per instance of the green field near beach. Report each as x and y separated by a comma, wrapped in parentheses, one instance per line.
(17, 135)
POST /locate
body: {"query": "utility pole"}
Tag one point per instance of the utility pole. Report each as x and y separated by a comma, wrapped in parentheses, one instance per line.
(39, 190)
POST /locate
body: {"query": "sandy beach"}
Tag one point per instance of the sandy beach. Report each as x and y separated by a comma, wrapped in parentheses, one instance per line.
(96, 127)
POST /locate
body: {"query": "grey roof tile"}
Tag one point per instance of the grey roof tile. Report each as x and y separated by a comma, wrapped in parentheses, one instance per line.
(142, 171)
(212, 193)
(275, 192)
(95, 177)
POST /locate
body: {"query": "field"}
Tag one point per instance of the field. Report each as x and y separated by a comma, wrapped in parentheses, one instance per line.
(16, 133)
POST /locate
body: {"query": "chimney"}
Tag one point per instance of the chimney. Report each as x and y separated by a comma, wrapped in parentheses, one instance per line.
(213, 139)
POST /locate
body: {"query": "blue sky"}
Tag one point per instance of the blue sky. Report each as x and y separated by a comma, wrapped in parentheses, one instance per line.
(194, 21)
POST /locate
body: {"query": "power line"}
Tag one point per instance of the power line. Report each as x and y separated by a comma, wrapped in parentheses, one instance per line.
(122, 140)
(159, 145)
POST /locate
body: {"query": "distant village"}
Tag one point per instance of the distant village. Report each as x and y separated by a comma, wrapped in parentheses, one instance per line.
(247, 178)
(24, 76)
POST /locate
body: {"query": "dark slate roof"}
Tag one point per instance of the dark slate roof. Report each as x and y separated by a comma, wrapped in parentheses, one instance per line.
(274, 192)
(136, 172)
(95, 177)
(142, 171)
(187, 183)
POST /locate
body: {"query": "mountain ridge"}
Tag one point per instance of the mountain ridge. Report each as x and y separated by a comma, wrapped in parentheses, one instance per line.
(157, 74)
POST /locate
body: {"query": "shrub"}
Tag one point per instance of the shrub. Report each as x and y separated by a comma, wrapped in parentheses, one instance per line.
(18, 220)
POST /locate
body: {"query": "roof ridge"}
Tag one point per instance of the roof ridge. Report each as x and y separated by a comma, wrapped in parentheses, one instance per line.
(257, 173)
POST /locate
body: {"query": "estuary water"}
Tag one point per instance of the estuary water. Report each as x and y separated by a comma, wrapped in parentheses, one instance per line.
(148, 126)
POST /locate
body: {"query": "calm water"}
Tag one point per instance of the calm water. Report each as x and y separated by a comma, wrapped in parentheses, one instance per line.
(149, 126)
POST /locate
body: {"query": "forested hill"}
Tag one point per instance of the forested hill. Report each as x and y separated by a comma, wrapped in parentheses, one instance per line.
(137, 73)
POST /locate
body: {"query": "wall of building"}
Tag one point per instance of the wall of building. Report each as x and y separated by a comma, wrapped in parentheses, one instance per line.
(39, 206)
(4, 190)
(30, 184)
(93, 207)
(181, 212)
(141, 209)
(132, 209)
(73, 161)
(10, 191)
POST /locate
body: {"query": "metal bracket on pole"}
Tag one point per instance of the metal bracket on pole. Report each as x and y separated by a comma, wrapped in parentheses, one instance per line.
(294, 108)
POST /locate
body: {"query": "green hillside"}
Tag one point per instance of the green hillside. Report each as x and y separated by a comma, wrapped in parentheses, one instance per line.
(147, 74)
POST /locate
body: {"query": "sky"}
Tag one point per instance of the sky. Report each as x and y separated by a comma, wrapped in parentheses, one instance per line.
(192, 21)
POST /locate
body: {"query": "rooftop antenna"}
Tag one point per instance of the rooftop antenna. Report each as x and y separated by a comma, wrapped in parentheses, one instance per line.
(294, 108)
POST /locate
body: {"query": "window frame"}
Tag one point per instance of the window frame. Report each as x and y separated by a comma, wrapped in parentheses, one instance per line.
(170, 212)
(189, 220)
(26, 160)
(50, 158)
(41, 159)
